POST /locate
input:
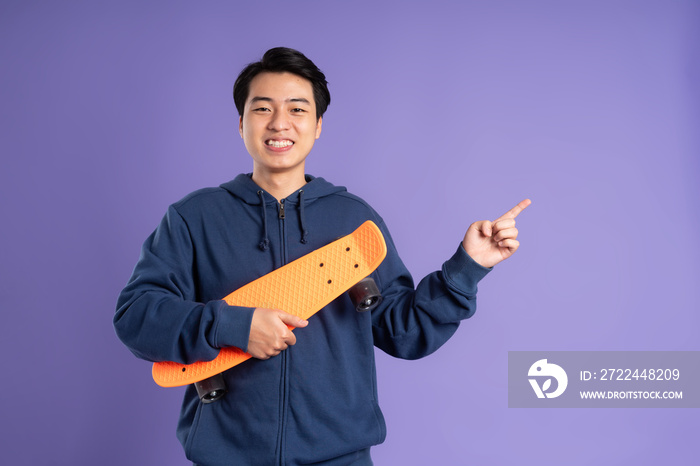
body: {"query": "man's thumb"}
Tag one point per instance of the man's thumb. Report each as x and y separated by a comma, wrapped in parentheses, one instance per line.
(292, 320)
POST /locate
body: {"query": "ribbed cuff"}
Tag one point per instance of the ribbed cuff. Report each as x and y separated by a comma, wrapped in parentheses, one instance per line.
(233, 326)
(463, 272)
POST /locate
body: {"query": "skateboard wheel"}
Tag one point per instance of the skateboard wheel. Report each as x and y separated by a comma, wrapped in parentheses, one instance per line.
(211, 389)
(365, 295)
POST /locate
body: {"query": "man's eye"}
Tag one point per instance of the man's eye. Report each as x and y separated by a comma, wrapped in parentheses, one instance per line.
(298, 110)
(261, 109)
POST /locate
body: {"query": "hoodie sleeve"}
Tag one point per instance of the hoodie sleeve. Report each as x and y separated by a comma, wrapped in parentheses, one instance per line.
(157, 316)
(412, 323)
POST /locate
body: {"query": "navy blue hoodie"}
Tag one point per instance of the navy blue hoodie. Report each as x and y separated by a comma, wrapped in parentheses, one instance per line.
(316, 402)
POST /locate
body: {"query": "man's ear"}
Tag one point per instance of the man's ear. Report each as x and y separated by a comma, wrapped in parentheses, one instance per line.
(240, 126)
(319, 123)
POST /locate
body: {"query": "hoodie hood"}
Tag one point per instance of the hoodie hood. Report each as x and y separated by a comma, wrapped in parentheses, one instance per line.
(244, 188)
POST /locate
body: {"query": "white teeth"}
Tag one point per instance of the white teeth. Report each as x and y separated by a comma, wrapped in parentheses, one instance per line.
(279, 143)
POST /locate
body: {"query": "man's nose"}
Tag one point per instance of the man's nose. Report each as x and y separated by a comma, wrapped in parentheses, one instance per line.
(279, 121)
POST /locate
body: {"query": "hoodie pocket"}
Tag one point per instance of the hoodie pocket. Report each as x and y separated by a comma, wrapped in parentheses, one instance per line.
(381, 423)
(193, 431)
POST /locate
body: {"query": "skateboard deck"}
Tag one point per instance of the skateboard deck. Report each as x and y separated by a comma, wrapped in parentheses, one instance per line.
(302, 288)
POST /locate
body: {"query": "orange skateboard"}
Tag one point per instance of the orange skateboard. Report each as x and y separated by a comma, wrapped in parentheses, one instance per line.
(302, 288)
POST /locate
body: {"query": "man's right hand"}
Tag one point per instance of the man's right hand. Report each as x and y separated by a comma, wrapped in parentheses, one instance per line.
(270, 334)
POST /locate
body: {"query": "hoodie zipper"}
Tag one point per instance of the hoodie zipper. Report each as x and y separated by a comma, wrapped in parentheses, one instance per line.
(283, 377)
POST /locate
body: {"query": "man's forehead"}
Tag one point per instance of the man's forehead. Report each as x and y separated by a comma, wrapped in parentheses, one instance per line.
(280, 86)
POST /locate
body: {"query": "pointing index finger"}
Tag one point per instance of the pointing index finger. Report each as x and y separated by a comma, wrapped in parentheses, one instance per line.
(512, 213)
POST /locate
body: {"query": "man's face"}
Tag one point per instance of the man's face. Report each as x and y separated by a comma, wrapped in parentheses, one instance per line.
(279, 125)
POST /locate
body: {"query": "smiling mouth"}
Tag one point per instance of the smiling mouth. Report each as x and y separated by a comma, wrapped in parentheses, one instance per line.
(284, 143)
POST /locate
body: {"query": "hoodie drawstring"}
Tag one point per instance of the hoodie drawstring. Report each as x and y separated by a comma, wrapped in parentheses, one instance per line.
(265, 242)
(302, 218)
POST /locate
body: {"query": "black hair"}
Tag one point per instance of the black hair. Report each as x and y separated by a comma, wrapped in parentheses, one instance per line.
(280, 60)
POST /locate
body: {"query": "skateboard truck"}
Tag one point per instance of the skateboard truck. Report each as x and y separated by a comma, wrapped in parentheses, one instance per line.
(211, 389)
(365, 295)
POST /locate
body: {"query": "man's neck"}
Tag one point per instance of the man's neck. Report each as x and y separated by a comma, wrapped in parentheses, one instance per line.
(279, 185)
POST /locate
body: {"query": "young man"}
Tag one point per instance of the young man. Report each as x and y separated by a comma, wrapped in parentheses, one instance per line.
(308, 396)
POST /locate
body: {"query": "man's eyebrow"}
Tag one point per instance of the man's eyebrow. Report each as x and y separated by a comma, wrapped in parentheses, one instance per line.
(260, 99)
(268, 99)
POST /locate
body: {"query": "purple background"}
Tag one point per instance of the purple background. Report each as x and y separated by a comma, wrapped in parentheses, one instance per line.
(443, 113)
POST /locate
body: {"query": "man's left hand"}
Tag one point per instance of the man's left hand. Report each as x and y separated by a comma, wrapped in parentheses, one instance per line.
(489, 243)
